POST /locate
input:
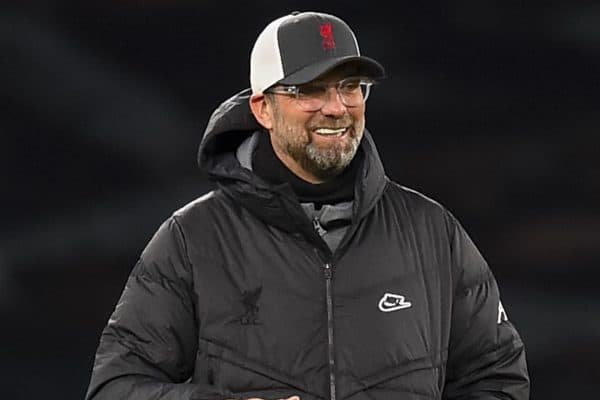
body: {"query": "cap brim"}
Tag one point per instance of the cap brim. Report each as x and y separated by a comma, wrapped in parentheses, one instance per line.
(365, 66)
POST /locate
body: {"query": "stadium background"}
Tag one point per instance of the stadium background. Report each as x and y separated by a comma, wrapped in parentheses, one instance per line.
(490, 107)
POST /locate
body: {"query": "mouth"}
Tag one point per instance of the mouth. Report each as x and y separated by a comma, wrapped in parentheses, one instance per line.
(332, 132)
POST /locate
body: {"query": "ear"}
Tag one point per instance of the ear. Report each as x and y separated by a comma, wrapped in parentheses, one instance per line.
(261, 110)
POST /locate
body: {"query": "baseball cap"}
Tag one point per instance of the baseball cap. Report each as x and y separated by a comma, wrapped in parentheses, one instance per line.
(299, 47)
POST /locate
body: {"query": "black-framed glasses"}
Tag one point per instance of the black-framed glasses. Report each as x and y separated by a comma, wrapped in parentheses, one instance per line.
(353, 92)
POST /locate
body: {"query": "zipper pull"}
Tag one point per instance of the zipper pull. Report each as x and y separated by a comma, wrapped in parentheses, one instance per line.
(327, 271)
(317, 227)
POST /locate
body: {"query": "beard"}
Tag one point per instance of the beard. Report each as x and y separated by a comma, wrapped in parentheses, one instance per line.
(322, 160)
(330, 161)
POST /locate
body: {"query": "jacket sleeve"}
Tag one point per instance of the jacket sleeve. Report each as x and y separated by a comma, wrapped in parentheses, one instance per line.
(486, 357)
(148, 348)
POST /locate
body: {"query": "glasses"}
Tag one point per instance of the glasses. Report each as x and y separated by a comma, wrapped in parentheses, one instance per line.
(353, 92)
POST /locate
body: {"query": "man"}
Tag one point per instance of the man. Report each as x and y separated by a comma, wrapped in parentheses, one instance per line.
(307, 272)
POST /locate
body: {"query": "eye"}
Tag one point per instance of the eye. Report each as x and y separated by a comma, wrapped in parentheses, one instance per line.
(350, 85)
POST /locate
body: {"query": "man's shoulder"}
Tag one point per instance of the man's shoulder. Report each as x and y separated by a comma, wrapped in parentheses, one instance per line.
(414, 199)
(201, 206)
(423, 211)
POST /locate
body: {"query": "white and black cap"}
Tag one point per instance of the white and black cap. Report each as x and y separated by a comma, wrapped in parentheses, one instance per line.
(301, 46)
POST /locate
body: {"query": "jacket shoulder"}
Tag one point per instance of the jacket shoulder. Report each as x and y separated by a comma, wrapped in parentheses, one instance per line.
(202, 217)
(424, 214)
(415, 201)
(201, 206)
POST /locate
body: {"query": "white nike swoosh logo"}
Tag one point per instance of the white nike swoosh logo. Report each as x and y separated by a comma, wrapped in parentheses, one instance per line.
(393, 302)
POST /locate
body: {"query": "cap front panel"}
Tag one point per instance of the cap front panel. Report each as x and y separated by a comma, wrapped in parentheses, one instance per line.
(312, 38)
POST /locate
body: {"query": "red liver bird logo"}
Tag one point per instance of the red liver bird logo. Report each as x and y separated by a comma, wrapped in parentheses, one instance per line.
(326, 32)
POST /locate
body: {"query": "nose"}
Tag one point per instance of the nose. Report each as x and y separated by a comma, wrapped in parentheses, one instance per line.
(333, 103)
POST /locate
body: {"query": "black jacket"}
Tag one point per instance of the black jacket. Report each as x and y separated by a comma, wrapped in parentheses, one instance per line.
(237, 296)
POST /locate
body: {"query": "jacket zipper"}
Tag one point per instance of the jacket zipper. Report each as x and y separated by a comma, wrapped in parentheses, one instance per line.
(328, 273)
(330, 344)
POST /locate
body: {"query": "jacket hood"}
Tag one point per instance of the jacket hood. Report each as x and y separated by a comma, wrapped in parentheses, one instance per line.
(230, 124)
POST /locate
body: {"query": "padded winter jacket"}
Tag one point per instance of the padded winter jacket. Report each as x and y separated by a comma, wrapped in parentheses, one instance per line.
(237, 296)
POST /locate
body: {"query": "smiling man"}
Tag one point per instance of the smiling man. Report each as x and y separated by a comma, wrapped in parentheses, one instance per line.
(307, 273)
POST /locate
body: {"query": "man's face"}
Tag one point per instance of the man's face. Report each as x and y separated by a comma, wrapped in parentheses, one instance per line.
(317, 145)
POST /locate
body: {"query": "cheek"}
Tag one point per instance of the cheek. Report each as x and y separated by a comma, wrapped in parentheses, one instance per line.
(290, 131)
(296, 130)
(359, 125)
(358, 114)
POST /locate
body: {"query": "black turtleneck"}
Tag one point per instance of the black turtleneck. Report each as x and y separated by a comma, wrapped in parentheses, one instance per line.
(268, 166)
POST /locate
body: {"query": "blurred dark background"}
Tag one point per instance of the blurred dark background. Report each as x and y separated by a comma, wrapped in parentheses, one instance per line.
(490, 107)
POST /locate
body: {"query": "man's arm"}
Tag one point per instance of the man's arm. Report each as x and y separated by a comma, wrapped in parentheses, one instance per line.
(486, 357)
(148, 348)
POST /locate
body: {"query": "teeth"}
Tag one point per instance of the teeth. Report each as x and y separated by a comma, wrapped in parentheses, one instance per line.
(328, 131)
